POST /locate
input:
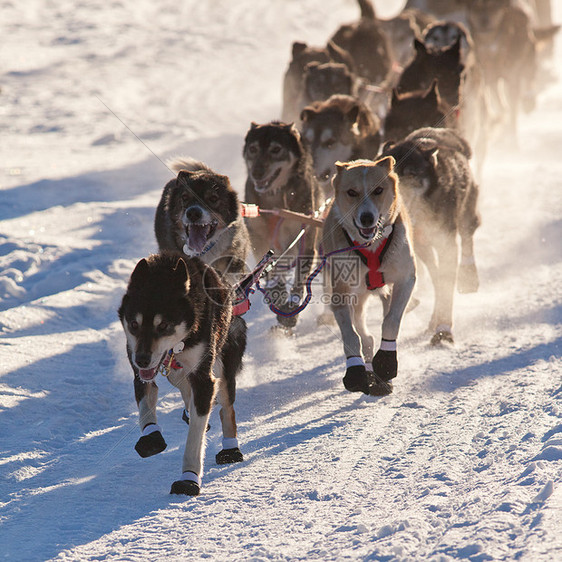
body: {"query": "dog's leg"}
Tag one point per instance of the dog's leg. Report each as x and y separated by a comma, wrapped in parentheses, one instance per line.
(151, 441)
(447, 255)
(385, 361)
(359, 321)
(198, 402)
(226, 369)
(356, 378)
(467, 281)
(230, 452)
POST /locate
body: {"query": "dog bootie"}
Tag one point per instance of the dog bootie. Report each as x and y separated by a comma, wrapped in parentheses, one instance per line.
(151, 442)
(189, 485)
(229, 456)
(357, 379)
(385, 365)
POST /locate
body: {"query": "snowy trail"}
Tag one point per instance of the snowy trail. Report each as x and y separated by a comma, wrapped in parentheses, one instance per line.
(462, 461)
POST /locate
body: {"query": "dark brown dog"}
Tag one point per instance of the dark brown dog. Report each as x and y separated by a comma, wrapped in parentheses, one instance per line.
(303, 55)
(441, 197)
(413, 110)
(367, 43)
(339, 129)
(281, 176)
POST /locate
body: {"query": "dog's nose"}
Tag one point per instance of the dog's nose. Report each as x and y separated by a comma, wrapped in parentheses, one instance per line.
(367, 219)
(142, 360)
(193, 214)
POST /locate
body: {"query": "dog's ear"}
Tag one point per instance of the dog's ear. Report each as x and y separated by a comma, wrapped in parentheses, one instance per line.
(432, 94)
(294, 131)
(140, 270)
(181, 273)
(545, 34)
(253, 125)
(431, 156)
(419, 46)
(336, 179)
(388, 145)
(184, 176)
(386, 163)
(455, 49)
(312, 65)
(306, 113)
(429, 150)
(353, 113)
(339, 54)
(298, 48)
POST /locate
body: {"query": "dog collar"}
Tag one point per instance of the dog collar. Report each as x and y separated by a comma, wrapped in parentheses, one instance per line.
(373, 259)
(169, 362)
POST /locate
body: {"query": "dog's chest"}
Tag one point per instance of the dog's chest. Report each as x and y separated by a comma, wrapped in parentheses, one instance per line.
(191, 357)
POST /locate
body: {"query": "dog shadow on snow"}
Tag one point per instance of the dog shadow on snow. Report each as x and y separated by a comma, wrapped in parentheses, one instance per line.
(75, 436)
(70, 422)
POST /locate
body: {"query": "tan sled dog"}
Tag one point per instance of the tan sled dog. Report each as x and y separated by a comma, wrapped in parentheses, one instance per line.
(368, 209)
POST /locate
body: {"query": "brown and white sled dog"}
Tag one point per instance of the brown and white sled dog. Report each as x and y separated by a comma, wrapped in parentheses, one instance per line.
(198, 215)
(176, 315)
(281, 176)
(368, 208)
(442, 199)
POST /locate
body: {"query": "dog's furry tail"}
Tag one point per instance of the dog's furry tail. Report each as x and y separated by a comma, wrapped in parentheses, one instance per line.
(446, 138)
(367, 9)
(186, 163)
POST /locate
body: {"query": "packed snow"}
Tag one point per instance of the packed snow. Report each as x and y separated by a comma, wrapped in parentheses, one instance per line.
(462, 461)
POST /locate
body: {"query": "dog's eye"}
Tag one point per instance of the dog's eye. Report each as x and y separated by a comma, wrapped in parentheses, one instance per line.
(378, 190)
(329, 143)
(133, 326)
(274, 149)
(213, 198)
(252, 150)
(352, 193)
(162, 327)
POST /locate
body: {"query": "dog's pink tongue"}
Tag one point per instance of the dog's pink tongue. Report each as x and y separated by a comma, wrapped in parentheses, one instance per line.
(197, 237)
(147, 374)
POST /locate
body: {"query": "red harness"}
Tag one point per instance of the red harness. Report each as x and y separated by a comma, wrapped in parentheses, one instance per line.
(372, 259)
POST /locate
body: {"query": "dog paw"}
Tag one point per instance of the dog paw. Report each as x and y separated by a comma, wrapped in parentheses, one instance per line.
(185, 488)
(228, 456)
(442, 338)
(467, 279)
(150, 444)
(385, 365)
(357, 379)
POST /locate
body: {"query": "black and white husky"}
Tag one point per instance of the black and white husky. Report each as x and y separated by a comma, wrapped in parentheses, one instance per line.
(177, 316)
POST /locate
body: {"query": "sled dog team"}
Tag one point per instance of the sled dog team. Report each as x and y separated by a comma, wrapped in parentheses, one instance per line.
(410, 198)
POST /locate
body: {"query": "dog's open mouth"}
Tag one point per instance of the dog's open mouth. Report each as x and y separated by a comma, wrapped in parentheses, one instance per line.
(199, 234)
(262, 186)
(366, 233)
(146, 375)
